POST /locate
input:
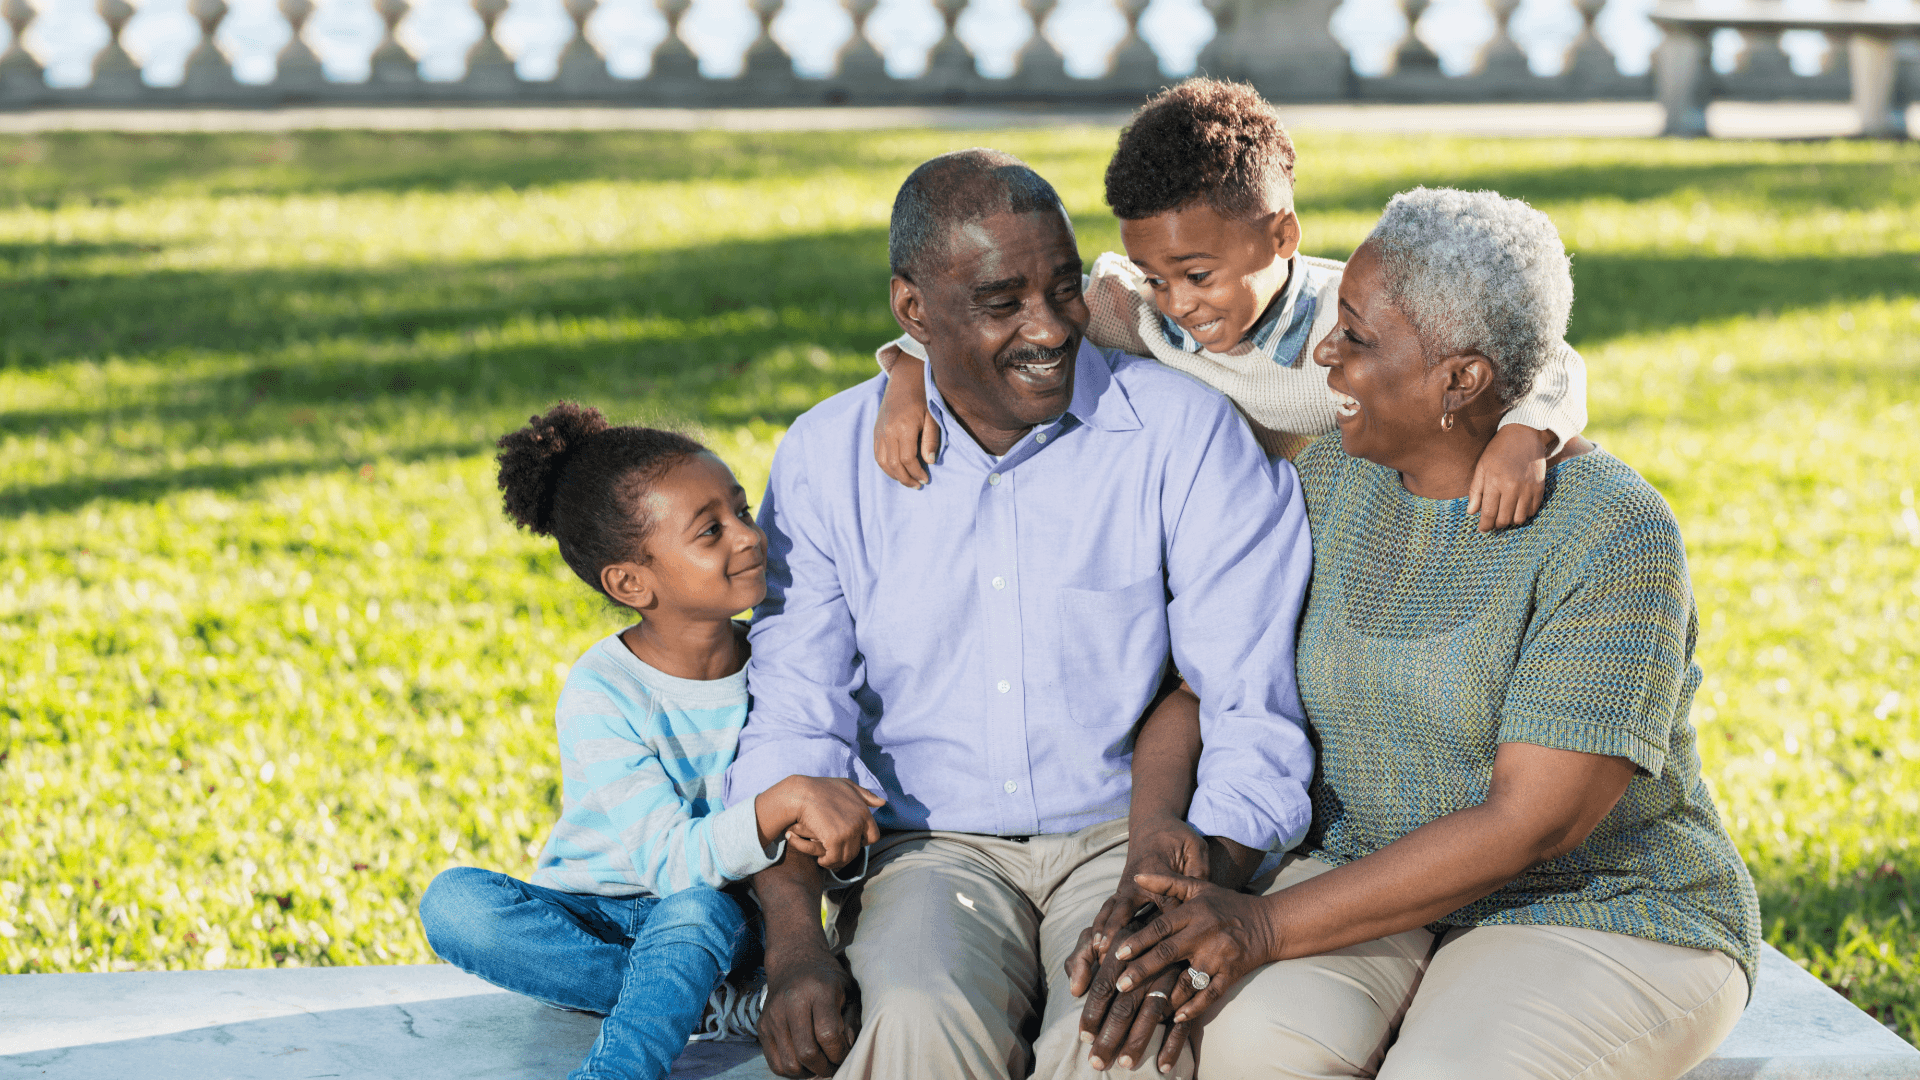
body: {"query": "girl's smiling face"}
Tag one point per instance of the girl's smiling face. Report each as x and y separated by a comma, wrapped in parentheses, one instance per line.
(1213, 274)
(704, 555)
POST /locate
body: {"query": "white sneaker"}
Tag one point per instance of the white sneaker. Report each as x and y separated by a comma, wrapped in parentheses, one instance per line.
(732, 1015)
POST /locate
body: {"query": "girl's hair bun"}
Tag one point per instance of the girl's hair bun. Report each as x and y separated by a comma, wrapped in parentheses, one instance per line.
(532, 458)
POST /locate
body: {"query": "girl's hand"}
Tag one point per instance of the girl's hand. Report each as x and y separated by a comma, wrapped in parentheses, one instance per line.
(1510, 480)
(832, 818)
(1223, 933)
(905, 438)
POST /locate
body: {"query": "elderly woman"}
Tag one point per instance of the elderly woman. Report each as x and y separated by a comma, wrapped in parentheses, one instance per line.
(1515, 868)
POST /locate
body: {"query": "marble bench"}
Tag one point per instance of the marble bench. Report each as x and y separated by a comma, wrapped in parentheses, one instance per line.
(431, 1022)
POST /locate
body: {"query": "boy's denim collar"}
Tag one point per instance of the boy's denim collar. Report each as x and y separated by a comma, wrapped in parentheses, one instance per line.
(1280, 331)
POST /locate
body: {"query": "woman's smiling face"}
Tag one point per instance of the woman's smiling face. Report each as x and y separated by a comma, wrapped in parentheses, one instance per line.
(1388, 399)
(1213, 274)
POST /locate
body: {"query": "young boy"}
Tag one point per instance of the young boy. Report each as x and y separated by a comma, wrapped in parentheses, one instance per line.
(1213, 284)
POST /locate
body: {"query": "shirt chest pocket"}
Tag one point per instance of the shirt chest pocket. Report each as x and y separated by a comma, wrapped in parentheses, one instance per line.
(1113, 650)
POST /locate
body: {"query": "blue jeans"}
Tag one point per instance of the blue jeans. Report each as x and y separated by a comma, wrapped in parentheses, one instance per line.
(646, 963)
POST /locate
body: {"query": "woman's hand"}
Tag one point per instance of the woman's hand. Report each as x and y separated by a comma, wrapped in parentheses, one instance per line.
(905, 438)
(1223, 933)
(1168, 847)
(1120, 1025)
(1510, 479)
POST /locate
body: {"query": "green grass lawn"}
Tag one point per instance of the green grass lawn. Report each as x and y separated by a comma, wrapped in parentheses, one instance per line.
(270, 657)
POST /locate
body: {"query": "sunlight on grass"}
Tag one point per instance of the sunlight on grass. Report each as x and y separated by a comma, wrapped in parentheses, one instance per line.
(271, 656)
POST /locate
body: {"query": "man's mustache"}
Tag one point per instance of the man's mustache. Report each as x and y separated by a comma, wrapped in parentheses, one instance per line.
(1034, 354)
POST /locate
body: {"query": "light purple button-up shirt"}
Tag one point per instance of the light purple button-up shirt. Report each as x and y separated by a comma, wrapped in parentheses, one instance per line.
(981, 650)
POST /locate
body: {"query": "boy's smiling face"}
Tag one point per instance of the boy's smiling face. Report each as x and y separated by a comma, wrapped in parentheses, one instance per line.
(1213, 274)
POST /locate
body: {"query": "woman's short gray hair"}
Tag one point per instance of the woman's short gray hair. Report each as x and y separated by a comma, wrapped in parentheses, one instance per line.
(1477, 272)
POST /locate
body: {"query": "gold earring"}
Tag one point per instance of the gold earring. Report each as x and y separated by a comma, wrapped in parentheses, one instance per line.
(1446, 421)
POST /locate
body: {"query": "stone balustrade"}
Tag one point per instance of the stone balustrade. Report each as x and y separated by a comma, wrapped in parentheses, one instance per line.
(1291, 49)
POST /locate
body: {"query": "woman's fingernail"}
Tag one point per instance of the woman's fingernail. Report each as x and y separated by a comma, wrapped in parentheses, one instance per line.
(1126, 1063)
(1086, 1036)
(1165, 1069)
(1180, 1018)
(1125, 951)
(1125, 984)
(1098, 1065)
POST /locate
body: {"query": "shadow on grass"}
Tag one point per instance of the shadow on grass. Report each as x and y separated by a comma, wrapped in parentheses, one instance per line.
(722, 333)
(110, 168)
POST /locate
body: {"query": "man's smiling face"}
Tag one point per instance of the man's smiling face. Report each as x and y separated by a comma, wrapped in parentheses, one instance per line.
(1004, 317)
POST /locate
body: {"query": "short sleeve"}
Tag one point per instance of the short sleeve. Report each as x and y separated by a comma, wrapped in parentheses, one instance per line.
(1604, 662)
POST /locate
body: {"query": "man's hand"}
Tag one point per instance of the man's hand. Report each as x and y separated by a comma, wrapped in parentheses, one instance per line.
(1121, 1025)
(1510, 480)
(905, 438)
(1170, 847)
(804, 1027)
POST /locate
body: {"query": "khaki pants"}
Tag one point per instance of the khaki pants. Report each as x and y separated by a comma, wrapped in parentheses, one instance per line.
(1484, 1003)
(959, 944)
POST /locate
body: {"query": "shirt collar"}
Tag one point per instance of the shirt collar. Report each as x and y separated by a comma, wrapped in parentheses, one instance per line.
(1098, 401)
(1277, 326)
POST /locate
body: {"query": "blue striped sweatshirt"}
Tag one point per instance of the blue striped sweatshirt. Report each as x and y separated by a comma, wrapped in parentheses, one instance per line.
(641, 757)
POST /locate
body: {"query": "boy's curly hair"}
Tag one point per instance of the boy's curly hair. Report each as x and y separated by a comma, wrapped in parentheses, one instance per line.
(571, 475)
(1204, 140)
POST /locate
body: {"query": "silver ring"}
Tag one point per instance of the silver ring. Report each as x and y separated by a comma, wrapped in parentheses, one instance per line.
(1159, 994)
(1198, 979)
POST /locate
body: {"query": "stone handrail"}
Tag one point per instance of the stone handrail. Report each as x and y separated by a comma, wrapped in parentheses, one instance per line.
(1284, 47)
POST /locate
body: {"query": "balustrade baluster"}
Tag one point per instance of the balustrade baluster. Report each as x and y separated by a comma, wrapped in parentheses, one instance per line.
(115, 75)
(21, 76)
(209, 72)
(391, 64)
(766, 72)
(1039, 68)
(1285, 50)
(860, 71)
(1135, 67)
(1763, 62)
(1503, 64)
(490, 71)
(581, 68)
(675, 70)
(297, 70)
(1590, 64)
(951, 71)
(1413, 57)
(1213, 58)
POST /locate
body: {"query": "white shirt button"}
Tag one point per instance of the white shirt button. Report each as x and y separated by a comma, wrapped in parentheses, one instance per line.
(1005, 686)
(993, 479)
(1011, 787)
(1042, 437)
(999, 583)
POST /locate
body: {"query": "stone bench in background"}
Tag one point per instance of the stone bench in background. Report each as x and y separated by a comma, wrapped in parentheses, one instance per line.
(430, 1022)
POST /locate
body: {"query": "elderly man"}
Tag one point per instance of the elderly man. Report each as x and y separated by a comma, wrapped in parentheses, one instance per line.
(980, 650)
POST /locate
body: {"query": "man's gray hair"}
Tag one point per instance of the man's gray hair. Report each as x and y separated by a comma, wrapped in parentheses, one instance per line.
(1477, 272)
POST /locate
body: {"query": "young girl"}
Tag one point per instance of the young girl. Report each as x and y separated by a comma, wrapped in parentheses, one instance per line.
(1213, 284)
(625, 916)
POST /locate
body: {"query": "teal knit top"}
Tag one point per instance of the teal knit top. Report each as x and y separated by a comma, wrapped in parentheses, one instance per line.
(1426, 644)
